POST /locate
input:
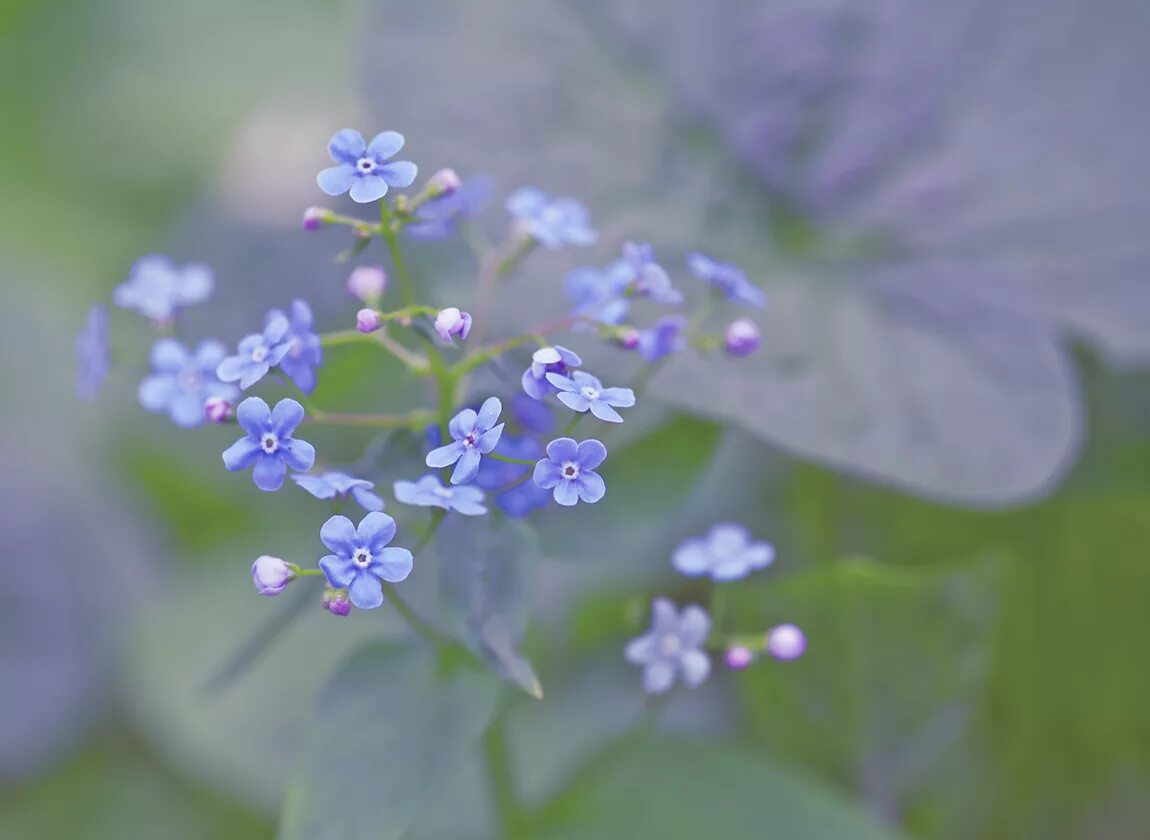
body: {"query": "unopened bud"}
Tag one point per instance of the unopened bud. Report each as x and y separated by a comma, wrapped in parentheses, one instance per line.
(742, 338)
(628, 337)
(367, 320)
(738, 657)
(450, 322)
(367, 282)
(443, 182)
(786, 642)
(339, 604)
(271, 575)
(218, 410)
(315, 217)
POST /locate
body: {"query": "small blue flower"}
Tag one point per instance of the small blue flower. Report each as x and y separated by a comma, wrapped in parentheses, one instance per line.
(92, 356)
(439, 217)
(474, 435)
(305, 353)
(648, 278)
(331, 484)
(663, 339)
(727, 278)
(258, 353)
(672, 647)
(430, 492)
(363, 168)
(726, 553)
(362, 558)
(583, 391)
(551, 222)
(523, 498)
(547, 360)
(568, 471)
(600, 294)
(269, 446)
(156, 288)
(181, 382)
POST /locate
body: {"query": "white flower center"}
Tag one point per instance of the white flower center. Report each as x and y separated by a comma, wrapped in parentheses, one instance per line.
(670, 645)
(443, 492)
(296, 349)
(259, 354)
(191, 379)
(269, 443)
(365, 165)
(361, 557)
(589, 392)
(470, 438)
(570, 470)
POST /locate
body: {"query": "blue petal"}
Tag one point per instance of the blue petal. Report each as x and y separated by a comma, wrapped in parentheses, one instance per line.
(187, 409)
(463, 423)
(488, 413)
(692, 558)
(157, 391)
(385, 145)
(409, 493)
(254, 416)
(466, 467)
(269, 472)
(241, 454)
(375, 531)
(619, 397)
(339, 571)
(445, 456)
(526, 201)
(365, 591)
(366, 499)
(488, 440)
(339, 535)
(336, 180)
(604, 412)
(368, 188)
(547, 474)
(315, 485)
(400, 173)
(591, 454)
(575, 402)
(392, 564)
(658, 677)
(562, 382)
(209, 355)
(169, 356)
(285, 417)
(346, 146)
(253, 373)
(694, 626)
(591, 487)
(695, 666)
(563, 449)
(297, 454)
(641, 650)
(566, 493)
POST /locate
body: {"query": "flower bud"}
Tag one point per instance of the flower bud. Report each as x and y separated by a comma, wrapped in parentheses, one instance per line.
(738, 657)
(271, 575)
(443, 182)
(742, 338)
(367, 282)
(314, 218)
(218, 410)
(786, 642)
(450, 322)
(628, 337)
(339, 605)
(367, 320)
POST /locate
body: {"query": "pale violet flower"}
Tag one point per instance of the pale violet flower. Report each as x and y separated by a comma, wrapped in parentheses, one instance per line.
(430, 492)
(672, 647)
(333, 484)
(727, 552)
(552, 222)
(582, 391)
(363, 169)
(157, 288)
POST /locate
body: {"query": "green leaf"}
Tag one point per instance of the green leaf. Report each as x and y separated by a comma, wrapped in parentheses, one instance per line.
(390, 730)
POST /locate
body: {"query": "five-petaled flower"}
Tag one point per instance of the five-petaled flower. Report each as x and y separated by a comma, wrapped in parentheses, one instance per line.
(450, 322)
(663, 339)
(156, 288)
(568, 471)
(361, 557)
(600, 294)
(430, 492)
(726, 278)
(547, 360)
(333, 484)
(648, 278)
(725, 553)
(438, 217)
(473, 436)
(92, 357)
(268, 446)
(362, 168)
(672, 647)
(305, 353)
(582, 391)
(551, 222)
(183, 382)
(258, 353)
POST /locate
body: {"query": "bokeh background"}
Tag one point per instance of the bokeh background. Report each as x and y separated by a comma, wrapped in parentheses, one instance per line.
(945, 432)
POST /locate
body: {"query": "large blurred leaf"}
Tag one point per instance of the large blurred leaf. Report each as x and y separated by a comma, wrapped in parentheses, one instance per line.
(390, 729)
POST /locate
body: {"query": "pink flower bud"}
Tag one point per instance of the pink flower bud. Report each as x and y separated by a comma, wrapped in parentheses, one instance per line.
(367, 282)
(367, 320)
(742, 338)
(314, 218)
(443, 182)
(450, 322)
(629, 338)
(738, 657)
(218, 410)
(271, 575)
(786, 642)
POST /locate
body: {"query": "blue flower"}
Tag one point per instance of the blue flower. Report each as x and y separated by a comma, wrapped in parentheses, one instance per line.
(156, 288)
(583, 391)
(494, 475)
(430, 492)
(258, 353)
(362, 168)
(474, 435)
(568, 471)
(362, 558)
(663, 339)
(648, 278)
(672, 647)
(305, 352)
(727, 278)
(92, 357)
(551, 222)
(726, 553)
(600, 294)
(330, 484)
(181, 382)
(269, 446)
(547, 360)
(438, 217)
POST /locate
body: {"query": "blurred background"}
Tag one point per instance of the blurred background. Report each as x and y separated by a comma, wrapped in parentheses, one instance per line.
(946, 433)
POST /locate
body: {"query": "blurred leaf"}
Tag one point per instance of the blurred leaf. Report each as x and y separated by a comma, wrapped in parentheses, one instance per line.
(390, 729)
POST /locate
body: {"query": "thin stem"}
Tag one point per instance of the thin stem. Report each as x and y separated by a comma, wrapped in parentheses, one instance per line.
(391, 237)
(501, 779)
(509, 460)
(569, 429)
(379, 338)
(421, 627)
(412, 420)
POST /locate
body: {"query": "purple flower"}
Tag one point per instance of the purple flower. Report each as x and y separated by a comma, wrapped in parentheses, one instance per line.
(92, 357)
(335, 601)
(438, 217)
(362, 168)
(672, 647)
(258, 353)
(474, 435)
(305, 352)
(330, 484)
(269, 447)
(738, 657)
(551, 222)
(450, 322)
(430, 492)
(568, 471)
(726, 278)
(663, 339)
(157, 289)
(726, 553)
(786, 642)
(600, 294)
(547, 360)
(361, 558)
(522, 499)
(219, 410)
(367, 320)
(583, 391)
(741, 338)
(271, 575)
(648, 278)
(182, 383)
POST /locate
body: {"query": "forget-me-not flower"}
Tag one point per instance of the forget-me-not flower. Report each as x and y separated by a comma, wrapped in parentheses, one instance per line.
(568, 471)
(648, 278)
(91, 349)
(672, 647)
(474, 435)
(600, 294)
(430, 492)
(725, 553)
(663, 339)
(305, 353)
(547, 360)
(727, 278)
(582, 391)
(258, 353)
(182, 382)
(551, 222)
(362, 168)
(437, 218)
(156, 288)
(268, 446)
(330, 484)
(361, 557)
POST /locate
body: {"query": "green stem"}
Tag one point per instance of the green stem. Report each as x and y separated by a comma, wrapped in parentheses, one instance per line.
(509, 460)
(569, 429)
(412, 420)
(501, 780)
(391, 237)
(418, 364)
